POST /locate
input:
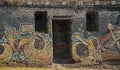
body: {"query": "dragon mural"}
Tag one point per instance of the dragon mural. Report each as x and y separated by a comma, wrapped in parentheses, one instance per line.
(89, 56)
(21, 44)
(26, 46)
(99, 48)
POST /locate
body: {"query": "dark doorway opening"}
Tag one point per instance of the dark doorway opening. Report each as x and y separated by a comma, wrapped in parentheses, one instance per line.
(62, 41)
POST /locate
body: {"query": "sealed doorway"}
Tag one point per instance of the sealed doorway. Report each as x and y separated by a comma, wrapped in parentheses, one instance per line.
(61, 40)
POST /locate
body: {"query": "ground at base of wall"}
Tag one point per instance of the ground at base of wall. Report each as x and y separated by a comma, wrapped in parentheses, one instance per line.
(94, 67)
(64, 67)
(33, 68)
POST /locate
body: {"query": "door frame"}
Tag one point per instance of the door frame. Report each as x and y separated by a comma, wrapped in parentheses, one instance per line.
(70, 18)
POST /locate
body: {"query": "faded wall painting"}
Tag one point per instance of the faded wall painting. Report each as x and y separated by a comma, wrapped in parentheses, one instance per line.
(26, 46)
(90, 47)
(22, 45)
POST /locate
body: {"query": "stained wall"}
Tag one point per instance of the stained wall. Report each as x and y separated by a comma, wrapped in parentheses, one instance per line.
(18, 37)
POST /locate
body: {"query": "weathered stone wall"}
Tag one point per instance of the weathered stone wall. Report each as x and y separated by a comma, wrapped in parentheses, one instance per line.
(58, 2)
(83, 39)
(14, 36)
